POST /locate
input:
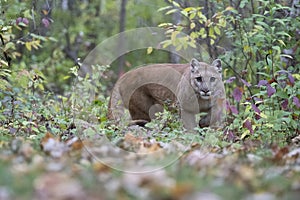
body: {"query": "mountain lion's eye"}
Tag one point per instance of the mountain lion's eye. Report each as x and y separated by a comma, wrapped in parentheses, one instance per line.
(199, 79)
(212, 79)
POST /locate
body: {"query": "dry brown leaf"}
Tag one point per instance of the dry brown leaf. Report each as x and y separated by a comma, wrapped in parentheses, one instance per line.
(5, 193)
(195, 145)
(100, 167)
(46, 137)
(57, 186)
(154, 147)
(279, 153)
(146, 183)
(75, 143)
(200, 158)
(246, 173)
(53, 146)
(131, 139)
(293, 157)
(182, 189)
(149, 147)
(27, 151)
(261, 196)
(201, 196)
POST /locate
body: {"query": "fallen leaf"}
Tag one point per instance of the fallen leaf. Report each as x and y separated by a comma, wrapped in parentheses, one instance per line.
(261, 196)
(5, 193)
(200, 159)
(182, 189)
(53, 146)
(26, 150)
(141, 185)
(100, 167)
(57, 186)
(75, 143)
(279, 154)
(201, 196)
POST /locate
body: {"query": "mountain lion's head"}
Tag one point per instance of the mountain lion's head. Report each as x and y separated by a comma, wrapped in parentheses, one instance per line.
(205, 78)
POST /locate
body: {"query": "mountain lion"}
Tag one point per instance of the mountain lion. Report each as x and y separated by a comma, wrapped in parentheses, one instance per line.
(195, 87)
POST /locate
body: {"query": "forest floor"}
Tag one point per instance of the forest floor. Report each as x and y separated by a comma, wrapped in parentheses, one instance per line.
(185, 167)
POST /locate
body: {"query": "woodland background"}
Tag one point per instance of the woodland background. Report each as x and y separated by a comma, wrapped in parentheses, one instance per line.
(256, 155)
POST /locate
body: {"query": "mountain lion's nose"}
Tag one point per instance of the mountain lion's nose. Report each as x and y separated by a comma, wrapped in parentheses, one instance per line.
(205, 90)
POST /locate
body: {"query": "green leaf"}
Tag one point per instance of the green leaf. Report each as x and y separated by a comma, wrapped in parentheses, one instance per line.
(28, 46)
(279, 21)
(149, 50)
(27, 14)
(52, 39)
(194, 35)
(165, 24)
(202, 33)
(192, 25)
(277, 48)
(217, 30)
(176, 4)
(281, 42)
(174, 36)
(166, 43)
(202, 17)
(171, 11)
(9, 45)
(188, 9)
(287, 56)
(243, 3)
(3, 84)
(282, 94)
(164, 8)
(192, 16)
(222, 22)
(246, 133)
(66, 77)
(192, 44)
(178, 47)
(211, 32)
(38, 37)
(282, 33)
(263, 24)
(184, 13)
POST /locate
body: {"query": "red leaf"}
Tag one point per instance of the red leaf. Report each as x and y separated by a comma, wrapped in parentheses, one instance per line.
(237, 94)
(46, 22)
(270, 90)
(247, 124)
(296, 102)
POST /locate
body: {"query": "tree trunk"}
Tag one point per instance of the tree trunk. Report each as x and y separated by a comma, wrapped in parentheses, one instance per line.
(295, 12)
(176, 18)
(121, 62)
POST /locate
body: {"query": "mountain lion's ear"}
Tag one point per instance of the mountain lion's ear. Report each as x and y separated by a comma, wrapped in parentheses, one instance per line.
(194, 64)
(217, 64)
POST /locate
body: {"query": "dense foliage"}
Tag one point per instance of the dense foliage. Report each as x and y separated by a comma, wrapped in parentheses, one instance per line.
(258, 42)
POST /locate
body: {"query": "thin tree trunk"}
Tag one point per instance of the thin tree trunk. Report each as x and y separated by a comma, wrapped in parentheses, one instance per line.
(176, 18)
(295, 12)
(122, 39)
(206, 12)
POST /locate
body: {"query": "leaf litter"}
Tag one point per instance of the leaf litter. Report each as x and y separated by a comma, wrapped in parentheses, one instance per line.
(142, 167)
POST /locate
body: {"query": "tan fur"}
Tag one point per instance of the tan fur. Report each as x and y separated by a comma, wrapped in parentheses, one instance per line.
(145, 90)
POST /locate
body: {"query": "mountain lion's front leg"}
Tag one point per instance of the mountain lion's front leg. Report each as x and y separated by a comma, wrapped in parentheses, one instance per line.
(215, 116)
(188, 119)
(205, 121)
